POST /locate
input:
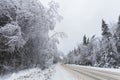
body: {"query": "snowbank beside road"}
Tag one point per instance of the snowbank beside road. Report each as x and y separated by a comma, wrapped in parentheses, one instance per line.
(31, 74)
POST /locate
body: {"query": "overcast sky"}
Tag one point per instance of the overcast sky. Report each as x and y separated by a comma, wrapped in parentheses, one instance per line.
(84, 17)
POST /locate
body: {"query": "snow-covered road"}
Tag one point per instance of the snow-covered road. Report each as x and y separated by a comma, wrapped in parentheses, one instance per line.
(75, 72)
(92, 73)
(62, 74)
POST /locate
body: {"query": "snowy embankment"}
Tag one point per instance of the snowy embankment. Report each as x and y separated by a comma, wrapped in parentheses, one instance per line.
(30, 74)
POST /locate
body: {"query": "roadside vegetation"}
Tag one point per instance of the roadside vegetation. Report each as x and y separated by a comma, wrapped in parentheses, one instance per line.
(100, 52)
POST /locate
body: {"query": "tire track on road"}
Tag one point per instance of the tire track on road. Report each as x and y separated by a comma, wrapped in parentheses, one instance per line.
(93, 74)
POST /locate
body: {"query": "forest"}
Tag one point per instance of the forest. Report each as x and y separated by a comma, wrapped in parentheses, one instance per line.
(24, 35)
(25, 42)
(101, 51)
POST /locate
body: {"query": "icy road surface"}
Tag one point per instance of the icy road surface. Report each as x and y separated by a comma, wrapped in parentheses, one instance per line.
(90, 73)
(61, 73)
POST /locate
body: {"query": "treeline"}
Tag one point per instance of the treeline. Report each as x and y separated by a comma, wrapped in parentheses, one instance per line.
(100, 52)
(24, 39)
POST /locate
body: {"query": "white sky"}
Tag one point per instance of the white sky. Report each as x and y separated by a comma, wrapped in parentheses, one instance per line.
(84, 17)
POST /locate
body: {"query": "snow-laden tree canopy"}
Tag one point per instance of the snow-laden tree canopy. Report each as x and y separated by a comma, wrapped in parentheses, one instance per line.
(24, 28)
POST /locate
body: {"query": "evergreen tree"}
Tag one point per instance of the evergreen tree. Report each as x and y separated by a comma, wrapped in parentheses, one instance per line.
(105, 30)
(85, 41)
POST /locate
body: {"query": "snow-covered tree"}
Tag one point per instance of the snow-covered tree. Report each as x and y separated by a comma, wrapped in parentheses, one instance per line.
(102, 52)
(24, 29)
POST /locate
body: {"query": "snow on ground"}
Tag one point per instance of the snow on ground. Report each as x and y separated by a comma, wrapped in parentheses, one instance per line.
(57, 72)
(61, 74)
(31, 74)
(101, 69)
